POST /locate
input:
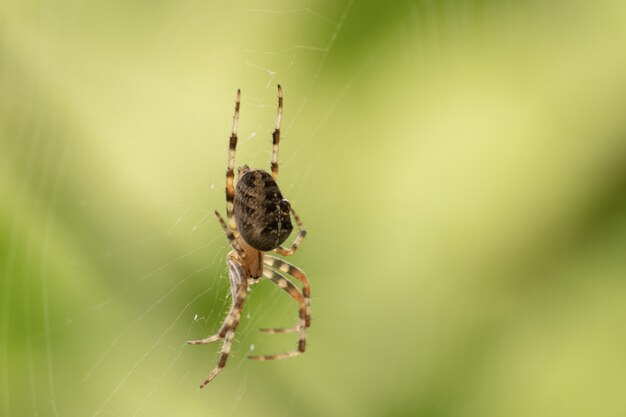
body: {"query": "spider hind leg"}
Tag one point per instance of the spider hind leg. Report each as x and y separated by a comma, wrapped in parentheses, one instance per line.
(239, 289)
(288, 268)
(291, 289)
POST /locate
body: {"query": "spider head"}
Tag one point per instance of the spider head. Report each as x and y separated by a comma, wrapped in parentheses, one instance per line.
(243, 170)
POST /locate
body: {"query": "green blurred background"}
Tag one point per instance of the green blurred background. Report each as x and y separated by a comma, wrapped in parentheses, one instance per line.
(460, 167)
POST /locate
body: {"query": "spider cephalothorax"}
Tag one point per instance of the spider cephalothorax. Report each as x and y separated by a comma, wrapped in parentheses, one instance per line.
(259, 220)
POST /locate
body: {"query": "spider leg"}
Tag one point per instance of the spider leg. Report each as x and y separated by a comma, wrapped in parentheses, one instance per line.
(229, 326)
(291, 289)
(276, 134)
(297, 273)
(232, 239)
(230, 317)
(230, 171)
(294, 246)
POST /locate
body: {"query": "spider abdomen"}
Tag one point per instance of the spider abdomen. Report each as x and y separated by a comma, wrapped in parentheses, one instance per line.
(261, 214)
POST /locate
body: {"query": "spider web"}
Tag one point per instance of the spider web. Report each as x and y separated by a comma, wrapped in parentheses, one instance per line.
(114, 124)
(129, 335)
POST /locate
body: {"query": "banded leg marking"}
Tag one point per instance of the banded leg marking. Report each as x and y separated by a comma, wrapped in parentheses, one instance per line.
(227, 331)
(297, 273)
(276, 134)
(232, 239)
(230, 171)
(232, 317)
(221, 363)
(292, 290)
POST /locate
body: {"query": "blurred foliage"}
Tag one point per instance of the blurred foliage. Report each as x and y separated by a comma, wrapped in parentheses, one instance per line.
(460, 167)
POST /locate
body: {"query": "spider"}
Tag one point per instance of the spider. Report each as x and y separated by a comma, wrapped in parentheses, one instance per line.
(258, 220)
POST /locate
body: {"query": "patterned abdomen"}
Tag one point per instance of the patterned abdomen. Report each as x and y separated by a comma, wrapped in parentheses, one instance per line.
(261, 213)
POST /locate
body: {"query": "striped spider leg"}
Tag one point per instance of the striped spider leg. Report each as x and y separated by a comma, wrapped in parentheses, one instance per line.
(238, 290)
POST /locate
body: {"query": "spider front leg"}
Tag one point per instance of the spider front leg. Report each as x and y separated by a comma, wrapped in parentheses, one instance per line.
(230, 171)
(294, 246)
(239, 289)
(291, 289)
(276, 134)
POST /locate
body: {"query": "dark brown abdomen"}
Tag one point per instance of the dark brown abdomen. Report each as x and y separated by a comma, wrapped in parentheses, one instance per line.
(261, 213)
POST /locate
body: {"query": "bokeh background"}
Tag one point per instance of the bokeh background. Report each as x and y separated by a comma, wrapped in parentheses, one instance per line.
(460, 167)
